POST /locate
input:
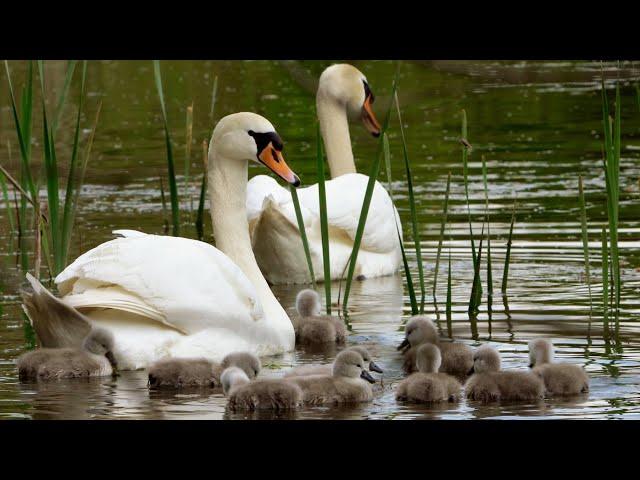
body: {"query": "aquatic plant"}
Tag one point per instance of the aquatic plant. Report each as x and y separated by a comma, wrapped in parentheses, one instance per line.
(324, 222)
(476, 290)
(303, 232)
(187, 155)
(173, 188)
(486, 206)
(203, 187)
(507, 256)
(443, 222)
(373, 175)
(605, 280)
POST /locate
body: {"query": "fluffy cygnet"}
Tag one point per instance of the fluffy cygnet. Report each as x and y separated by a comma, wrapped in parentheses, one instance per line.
(427, 385)
(489, 384)
(313, 328)
(558, 378)
(94, 359)
(348, 383)
(262, 394)
(199, 372)
(327, 369)
(457, 358)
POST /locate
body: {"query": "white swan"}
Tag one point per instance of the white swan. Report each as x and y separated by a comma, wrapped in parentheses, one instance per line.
(343, 92)
(166, 296)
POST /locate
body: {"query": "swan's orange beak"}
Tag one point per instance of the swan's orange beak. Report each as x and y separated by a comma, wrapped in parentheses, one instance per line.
(368, 117)
(274, 161)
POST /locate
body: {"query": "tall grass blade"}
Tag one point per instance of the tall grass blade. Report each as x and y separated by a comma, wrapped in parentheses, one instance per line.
(324, 223)
(448, 308)
(303, 233)
(605, 281)
(214, 95)
(405, 263)
(165, 222)
(203, 189)
(7, 206)
(486, 207)
(173, 188)
(443, 223)
(187, 154)
(507, 256)
(373, 175)
(476, 289)
(585, 238)
(412, 204)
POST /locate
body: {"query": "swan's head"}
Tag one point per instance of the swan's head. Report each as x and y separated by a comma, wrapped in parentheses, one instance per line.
(428, 358)
(308, 303)
(540, 351)
(350, 363)
(418, 330)
(247, 136)
(101, 342)
(345, 85)
(245, 361)
(367, 358)
(485, 359)
(233, 377)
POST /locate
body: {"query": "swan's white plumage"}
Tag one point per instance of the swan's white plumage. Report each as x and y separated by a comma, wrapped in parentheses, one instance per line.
(274, 228)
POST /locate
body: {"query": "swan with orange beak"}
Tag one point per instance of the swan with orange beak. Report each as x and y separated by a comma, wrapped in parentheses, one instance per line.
(344, 94)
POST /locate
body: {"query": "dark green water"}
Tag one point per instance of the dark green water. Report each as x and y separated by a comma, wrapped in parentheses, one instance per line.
(538, 125)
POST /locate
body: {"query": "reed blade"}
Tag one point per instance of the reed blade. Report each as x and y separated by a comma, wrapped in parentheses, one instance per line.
(187, 154)
(585, 238)
(214, 95)
(412, 204)
(164, 208)
(605, 280)
(486, 207)
(71, 66)
(507, 256)
(405, 263)
(448, 308)
(324, 223)
(203, 189)
(373, 175)
(476, 290)
(173, 188)
(7, 205)
(443, 223)
(303, 233)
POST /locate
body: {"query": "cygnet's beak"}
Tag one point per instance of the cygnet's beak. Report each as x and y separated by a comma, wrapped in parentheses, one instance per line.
(403, 345)
(374, 368)
(531, 365)
(367, 376)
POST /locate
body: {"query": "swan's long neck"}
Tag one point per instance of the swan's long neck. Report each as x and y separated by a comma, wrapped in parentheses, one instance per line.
(227, 193)
(335, 134)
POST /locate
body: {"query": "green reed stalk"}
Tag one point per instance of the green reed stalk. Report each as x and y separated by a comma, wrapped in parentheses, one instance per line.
(373, 175)
(5, 196)
(173, 188)
(507, 256)
(412, 205)
(164, 208)
(476, 290)
(303, 234)
(605, 279)
(443, 222)
(324, 223)
(71, 66)
(585, 237)
(203, 189)
(187, 155)
(214, 95)
(486, 207)
(465, 172)
(405, 263)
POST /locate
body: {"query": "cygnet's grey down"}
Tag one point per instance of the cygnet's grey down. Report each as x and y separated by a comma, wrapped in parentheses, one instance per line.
(428, 385)
(199, 372)
(261, 394)
(94, 359)
(489, 384)
(457, 358)
(348, 383)
(559, 378)
(327, 369)
(313, 328)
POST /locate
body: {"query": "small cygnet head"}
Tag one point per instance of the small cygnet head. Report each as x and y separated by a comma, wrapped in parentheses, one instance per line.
(350, 363)
(347, 87)
(246, 361)
(540, 352)
(367, 358)
(308, 303)
(418, 330)
(428, 358)
(233, 377)
(247, 136)
(101, 342)
(485, 359)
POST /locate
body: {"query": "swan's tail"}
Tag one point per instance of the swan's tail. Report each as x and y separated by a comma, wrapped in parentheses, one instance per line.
(56, 324)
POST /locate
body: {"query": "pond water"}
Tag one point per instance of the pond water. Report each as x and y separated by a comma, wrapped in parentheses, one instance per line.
(538, 125)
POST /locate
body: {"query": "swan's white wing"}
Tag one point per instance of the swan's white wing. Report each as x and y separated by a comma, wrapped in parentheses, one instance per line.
(261, 187)
(344, 203)
(186, 284)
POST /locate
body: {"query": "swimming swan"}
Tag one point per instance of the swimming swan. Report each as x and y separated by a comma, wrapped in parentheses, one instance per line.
(343, 92)
(164, 296)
